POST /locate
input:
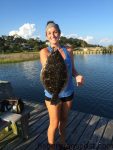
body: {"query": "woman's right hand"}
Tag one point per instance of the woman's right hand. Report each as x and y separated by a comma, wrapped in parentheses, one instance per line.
(79, 80)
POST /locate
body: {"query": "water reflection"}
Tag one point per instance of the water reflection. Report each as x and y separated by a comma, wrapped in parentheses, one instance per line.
(29, 69)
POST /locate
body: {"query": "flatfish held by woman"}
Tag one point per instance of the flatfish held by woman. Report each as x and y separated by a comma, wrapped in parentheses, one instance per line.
(54, 75)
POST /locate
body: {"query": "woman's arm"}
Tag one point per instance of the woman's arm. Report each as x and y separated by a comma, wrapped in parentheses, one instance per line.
(43, 56)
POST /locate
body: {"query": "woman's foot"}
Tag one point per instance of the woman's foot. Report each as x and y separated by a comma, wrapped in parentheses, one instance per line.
(51, 147)
(63, 146)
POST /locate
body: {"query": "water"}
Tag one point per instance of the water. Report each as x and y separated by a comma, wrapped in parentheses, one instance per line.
(25, 79)
(96, 96)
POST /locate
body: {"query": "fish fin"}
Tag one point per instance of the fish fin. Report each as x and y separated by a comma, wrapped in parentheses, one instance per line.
(55, 99)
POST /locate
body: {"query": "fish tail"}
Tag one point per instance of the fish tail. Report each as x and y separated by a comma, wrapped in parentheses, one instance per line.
(55, 99)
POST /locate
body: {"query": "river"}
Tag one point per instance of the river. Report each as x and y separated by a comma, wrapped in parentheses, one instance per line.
(96, 96)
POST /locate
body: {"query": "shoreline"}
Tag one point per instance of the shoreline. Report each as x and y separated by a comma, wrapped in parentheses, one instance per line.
(29, 56)
(93, 52)
(18, 57)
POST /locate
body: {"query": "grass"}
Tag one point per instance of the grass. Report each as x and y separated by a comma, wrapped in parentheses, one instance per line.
(18, 57)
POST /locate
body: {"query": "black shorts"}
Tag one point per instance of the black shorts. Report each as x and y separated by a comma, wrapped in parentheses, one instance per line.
(63, 99)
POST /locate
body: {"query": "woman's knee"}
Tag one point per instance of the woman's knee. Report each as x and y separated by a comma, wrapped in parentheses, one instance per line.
(54, 124)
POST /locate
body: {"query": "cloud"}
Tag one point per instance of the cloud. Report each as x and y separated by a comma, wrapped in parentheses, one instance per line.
(26, 31)
(88, 39)
(91, 40)
(106, 41)
(62, 34)
(72, 36)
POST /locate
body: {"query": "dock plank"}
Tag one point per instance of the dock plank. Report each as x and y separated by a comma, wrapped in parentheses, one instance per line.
(105, 142)
(82, 129)
(89, 130)
(98, 133)
(77, 133)
(74, 125)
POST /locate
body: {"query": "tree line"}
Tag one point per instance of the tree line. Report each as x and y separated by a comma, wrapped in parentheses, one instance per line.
(11, 44)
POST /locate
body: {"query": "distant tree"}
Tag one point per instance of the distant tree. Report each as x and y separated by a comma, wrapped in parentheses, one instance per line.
(2, 42)
(17, 44)
(110, 47)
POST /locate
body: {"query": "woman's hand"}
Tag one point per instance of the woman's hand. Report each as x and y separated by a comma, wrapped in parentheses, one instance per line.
(79, 80)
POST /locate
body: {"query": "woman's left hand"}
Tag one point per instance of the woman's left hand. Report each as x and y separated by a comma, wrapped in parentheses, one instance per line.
(79, 80)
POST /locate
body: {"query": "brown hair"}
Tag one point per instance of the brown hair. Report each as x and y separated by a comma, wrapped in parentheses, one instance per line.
(52, 24)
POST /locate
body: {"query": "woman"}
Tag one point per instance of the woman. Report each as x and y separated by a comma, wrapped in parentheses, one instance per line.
(58, 113)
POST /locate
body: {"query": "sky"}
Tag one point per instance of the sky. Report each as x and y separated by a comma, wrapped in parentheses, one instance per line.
(90, 20)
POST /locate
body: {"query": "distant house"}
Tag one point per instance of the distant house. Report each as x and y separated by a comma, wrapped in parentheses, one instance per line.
(85, 49)
(92, 48)
(26, 46)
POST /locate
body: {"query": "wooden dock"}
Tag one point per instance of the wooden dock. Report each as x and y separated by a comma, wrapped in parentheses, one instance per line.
(84, 131)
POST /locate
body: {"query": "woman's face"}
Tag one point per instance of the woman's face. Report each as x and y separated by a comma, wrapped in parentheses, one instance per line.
(53, 35)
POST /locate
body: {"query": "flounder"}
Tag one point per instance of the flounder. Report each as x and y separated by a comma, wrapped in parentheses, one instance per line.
(54, 75)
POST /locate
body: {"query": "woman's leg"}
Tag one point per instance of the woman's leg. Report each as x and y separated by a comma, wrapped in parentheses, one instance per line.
(54, 116)
(66, 106)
